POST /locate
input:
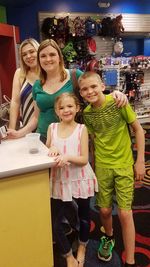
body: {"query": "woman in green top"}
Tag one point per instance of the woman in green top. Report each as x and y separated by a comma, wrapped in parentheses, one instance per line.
(45, 91)
(54, 80)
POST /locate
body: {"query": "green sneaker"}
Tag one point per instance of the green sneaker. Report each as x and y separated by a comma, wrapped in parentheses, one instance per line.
(105, 248)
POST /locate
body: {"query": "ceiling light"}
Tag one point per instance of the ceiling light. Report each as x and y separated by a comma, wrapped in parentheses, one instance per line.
(103, 4)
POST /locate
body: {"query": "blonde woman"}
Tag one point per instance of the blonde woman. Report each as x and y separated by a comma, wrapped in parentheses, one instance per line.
(24, 78)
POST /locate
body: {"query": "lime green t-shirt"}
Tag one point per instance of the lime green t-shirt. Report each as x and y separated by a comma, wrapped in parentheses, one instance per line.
(109, 125)
(45, 103)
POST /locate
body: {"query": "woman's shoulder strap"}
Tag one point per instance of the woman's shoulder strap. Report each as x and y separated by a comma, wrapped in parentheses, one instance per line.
(74, 80)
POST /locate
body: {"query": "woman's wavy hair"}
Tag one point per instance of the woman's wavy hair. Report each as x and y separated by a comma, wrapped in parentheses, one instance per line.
(43, 74)
(23, 66)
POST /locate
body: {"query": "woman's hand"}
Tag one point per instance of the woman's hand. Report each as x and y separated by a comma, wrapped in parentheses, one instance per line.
(120, 98)
(13, 134)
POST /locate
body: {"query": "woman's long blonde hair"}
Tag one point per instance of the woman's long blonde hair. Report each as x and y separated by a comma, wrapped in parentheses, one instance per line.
(43, 74)
(24, 68)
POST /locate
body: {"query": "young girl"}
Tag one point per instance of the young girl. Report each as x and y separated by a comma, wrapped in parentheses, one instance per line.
(72, 177)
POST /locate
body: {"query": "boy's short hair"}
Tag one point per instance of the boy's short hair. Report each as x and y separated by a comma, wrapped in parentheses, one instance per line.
(89, 74)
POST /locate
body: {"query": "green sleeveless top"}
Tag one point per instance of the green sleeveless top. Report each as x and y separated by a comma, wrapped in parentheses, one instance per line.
(45, 103)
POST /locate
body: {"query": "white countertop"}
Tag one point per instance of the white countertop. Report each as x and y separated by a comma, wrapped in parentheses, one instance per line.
(15, 158)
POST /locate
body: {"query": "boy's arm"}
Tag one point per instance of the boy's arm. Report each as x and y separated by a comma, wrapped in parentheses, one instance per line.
(139, 167)
(91, 151)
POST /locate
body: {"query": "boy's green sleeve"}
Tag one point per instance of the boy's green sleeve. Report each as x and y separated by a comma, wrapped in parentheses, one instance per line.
(86, 122)
(128, 114)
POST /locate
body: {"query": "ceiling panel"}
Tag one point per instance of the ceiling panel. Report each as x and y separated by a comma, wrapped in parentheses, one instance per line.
(16, 3)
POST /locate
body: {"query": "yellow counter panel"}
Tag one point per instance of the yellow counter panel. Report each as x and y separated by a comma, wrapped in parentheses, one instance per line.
(25, 216)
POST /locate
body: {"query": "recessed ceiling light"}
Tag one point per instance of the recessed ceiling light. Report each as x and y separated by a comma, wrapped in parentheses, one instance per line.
(103, 4)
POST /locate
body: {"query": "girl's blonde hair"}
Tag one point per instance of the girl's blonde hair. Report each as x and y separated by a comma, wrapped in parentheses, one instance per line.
(43, 74)
(24, 68)
(62, 96)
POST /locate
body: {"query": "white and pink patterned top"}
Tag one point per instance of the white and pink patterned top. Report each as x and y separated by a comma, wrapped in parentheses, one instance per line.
(72, 180)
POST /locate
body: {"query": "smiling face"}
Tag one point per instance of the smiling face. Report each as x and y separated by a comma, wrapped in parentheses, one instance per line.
(29, 55)
(66, 108)
(91, 89)
(49, 59)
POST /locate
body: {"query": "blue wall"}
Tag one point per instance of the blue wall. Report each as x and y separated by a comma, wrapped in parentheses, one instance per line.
(147, 47)
(27, 17)
(133, 46)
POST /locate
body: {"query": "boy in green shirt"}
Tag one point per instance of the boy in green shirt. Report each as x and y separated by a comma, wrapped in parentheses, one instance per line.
(114, 165)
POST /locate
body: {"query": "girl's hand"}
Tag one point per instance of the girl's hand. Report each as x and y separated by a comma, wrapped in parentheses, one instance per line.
(53, 151)
(120, 98)
(62, 160)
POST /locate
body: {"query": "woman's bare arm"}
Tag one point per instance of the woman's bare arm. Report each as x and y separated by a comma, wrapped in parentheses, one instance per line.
(31, 125)
(120, 98)
(15, 100)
